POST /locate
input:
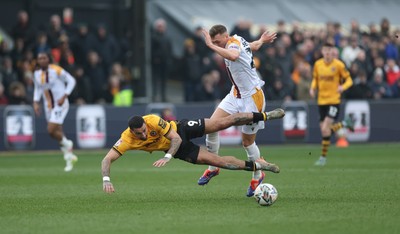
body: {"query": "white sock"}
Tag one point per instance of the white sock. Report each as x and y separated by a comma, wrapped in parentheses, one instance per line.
(63, 141)
(212, 143)
(253, 153)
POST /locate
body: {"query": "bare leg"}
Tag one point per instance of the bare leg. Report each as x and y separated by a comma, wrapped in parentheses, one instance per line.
(232, 163)
(55, 131)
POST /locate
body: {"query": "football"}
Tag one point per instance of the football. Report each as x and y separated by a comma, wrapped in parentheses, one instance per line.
(265, 194)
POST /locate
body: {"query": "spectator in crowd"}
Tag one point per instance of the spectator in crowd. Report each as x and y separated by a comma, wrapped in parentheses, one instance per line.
(192, 70)
(379, 63)
(81, 44)
(17, 94)
(121, 72)
(207, 90)
(379, 87)
(8, 74)
(200, 47)
(17, 52)
(23, 29)
(217, 65)
(284, 59)
(106, 45)
(350, 52)
(41, 45)
(361, 89)
(161, 56)
(121, 92)
(362, 50)
(385, 27)
(337, 33)
(4, 49)
(27, 80)
(277, 91)
(268, 65)
(3, 97)
(62, 54)
(242, 28)
(396, 89)
(374, 32)
(280, 28)
(391, 50)
(98, 77)
(362, 63)
(392, 71)
(167, 114)
(82, 94)
(355, 28)
(305, 78)
(55, 30)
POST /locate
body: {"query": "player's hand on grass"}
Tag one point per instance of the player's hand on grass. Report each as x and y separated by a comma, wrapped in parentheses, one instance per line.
(108, 187)
(161, 162)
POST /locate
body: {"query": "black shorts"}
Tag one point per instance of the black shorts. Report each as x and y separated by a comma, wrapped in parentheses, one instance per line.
(187, 130)
(331, 111)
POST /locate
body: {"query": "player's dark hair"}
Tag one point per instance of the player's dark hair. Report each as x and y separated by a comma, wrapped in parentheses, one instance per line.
(48, 54)
(217, 29)
(135, 122)
(328, 44)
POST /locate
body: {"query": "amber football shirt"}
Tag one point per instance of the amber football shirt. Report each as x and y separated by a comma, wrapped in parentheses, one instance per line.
(327, 78)
(157, 129)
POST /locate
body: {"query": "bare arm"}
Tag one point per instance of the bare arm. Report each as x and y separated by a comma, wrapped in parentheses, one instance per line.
(111, 156)
(266, 37)
(71, 82)
(176, 141)
(226, 53)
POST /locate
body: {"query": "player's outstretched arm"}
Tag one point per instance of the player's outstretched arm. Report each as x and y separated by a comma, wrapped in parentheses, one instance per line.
(266, 37)
(230, 54)
(111, 156)
(176, 141)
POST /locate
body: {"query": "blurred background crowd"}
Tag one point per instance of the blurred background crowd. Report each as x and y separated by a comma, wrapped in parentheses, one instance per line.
(98, 60)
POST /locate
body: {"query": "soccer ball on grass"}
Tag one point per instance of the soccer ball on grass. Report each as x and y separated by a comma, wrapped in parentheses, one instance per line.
(265, 194)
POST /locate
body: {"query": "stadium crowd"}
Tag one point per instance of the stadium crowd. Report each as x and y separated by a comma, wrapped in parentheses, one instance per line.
(90, 53)
(371, 56)
(97, 60)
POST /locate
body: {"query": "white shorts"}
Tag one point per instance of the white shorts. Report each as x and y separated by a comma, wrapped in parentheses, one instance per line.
(57, 114)
(254, 103)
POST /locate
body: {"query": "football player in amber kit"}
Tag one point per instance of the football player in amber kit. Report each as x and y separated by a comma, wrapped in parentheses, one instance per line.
(152, 133)
(330, 79)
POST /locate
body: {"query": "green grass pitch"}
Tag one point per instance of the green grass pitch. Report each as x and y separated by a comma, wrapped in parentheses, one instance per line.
(358, 191)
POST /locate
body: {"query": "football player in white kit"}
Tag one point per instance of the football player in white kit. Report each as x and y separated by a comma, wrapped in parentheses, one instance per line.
(54, 84)
(246, 94)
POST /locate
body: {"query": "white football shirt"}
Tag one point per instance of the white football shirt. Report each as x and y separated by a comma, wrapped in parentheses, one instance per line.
(242, 72)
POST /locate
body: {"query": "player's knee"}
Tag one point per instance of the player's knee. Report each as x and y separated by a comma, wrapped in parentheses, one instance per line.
(51, 129)
(326, 131)
(247, 142)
